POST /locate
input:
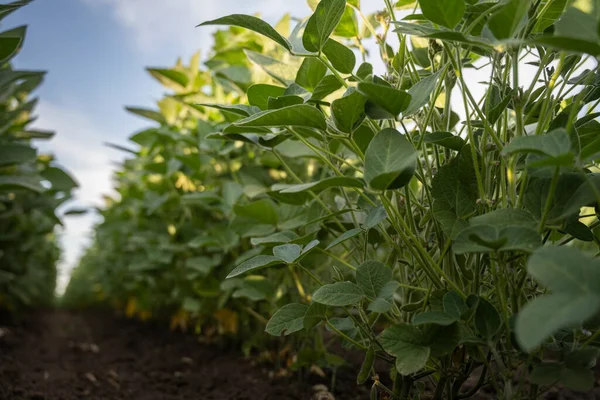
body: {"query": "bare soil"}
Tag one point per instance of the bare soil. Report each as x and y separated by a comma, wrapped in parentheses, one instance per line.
(62, 355)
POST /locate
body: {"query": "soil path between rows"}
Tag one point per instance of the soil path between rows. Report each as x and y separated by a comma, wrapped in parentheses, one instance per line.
(62, 355)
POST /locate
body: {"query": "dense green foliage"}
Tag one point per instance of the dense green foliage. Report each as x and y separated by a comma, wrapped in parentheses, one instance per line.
(31, 186)
(430, 228)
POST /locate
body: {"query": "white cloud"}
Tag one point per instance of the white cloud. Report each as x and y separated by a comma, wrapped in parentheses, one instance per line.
(78, 146)
(160, 24)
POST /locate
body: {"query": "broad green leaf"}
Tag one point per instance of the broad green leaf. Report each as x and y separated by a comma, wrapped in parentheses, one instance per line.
(443, 12)
(487, 319)
(287, 252)
(508, 21)
(348, 112)
(253, 264)
(341, 57)
(60, 180)
(283, 72)
(150, 114)
(390, 161)
(374, 217)
(555, 145)
(506, 217)
(442, 340)
(338, 294)
(454, 305)
(10, 182)
(420, 93)
(569, 44)
(372, 276)
(297, 115)
(319, 186)
(426, 31)
(311, 72)
(238, 109)
(455, 186)
(451, 224)
(258, 95)
(444, 139)
(573, 279)
(321, 24)
(276, 238)
(254, 24)
(393, 101)
(551, 10)
(276, 103)
(489, 238)
(328, 85)
(348, 25)
(11, 154)
(405, 342)
(579, 25)
(10, 42)
(434, 317)
(288, 319)
(263, 210)
(385, 298)
(316, 313)
(344, 236)
(170, 77)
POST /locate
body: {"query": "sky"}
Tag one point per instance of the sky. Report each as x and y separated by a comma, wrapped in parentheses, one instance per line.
(95, 52)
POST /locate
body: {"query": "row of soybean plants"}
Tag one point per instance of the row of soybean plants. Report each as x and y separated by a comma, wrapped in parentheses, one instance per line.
(32, 186)
(445, 226)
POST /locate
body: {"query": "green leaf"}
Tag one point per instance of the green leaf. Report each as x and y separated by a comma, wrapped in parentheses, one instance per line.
(551, 11)
(508, 21)
(60, 180)
(263, 210)
(348, 112)
(372, 276)
(341, 57)
(390, 161)
(344, 236)
(10, 42)
(150, 114)
(375, 216)
(576, 24)
(10, 182)
(385, 298)
(454, 304)
(506, 217)
(555, 146)
(253, 264)
(275, 238)
(489, 238)
(316, 313)
(405, 342)
(434, 317)
(170, 77)
(287, 252)
(258, 95)
(285, 73)
(573, 279)
(11, 154)
(328, 85)
(311, 72)
(339, 294)
(254, 24)
(393, 101)
(444, 139)
(321, 24)
(318, 186)
(487, 319)
(420, 93)
(288, 319)
(238, 109)
(446, 12)
(296, 115)
(348, 26)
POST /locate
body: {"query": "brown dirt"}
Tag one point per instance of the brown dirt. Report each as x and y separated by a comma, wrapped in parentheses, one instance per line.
(61, 355)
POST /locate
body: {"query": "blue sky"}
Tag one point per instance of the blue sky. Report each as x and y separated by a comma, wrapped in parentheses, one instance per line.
(95, 52)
